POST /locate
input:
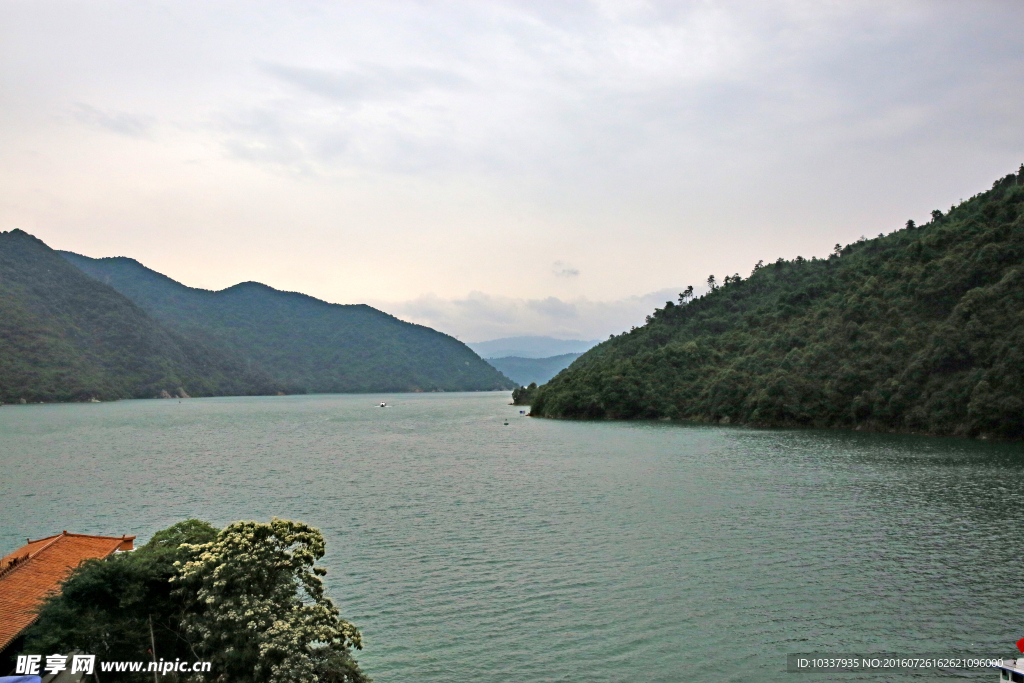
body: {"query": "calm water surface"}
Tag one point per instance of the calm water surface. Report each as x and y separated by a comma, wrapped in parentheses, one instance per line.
(468, 550)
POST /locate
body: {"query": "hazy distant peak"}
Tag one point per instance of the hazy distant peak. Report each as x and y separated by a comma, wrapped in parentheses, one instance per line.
(530, 347)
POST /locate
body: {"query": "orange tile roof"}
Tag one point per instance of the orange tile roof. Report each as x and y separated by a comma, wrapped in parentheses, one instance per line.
(36, 569)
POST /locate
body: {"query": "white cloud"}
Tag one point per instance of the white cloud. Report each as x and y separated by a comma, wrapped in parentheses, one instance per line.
(368, 81)
(562, 269)
(480, 317)
(388, 149)
(122, 123)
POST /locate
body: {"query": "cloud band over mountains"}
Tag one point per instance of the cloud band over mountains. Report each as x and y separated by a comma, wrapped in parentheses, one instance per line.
(554, 155)
(480, 317)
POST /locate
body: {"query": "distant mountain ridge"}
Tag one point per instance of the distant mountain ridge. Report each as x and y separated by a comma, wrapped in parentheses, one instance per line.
(530, 347)
(300, 342)
(526, 371)
(66, 337)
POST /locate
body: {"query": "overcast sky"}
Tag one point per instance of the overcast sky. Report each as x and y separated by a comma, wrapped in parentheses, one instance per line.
(496, 168)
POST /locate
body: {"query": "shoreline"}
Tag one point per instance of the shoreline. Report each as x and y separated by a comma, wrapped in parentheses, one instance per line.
(865, 428)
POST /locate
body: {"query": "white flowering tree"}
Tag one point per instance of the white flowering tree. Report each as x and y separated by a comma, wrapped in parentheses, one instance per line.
(256, 607)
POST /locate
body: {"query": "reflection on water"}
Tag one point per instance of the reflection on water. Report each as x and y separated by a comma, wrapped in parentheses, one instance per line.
(543, 550)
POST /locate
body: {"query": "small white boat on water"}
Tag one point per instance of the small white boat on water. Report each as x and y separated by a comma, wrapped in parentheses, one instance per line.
(1011, 670)
(383, 404)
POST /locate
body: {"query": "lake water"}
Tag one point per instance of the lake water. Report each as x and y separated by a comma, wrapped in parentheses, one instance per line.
(468, 550)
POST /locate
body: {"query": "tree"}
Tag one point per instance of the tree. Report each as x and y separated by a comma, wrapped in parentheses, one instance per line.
(256, 606)
(106, 607)
(523, 396)
(910, 225)
(918, 330)
(247, 599)
(712, 285)
(686, 294)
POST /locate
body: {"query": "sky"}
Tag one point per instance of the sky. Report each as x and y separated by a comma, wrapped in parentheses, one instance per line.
(495, 169)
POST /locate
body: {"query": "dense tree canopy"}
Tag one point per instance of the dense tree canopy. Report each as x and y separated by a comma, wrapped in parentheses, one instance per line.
(524, 396)
(304, 344)
(106, 607)
(248, 599)
(921, 330)
(74, 329)
(64, 337)
(256, 603)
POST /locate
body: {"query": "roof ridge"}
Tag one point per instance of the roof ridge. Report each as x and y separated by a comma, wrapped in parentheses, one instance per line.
(65, 534)
(53, 540)
(48, 562)
(23, 560)
(29, 541)
(12, 565)
(122, 537)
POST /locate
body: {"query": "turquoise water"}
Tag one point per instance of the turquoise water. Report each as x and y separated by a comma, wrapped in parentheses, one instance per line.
(468, 550)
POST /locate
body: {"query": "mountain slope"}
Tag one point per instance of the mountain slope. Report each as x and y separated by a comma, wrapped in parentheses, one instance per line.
(921, 330)
(64, 336)
(527, 371)
(306, 344)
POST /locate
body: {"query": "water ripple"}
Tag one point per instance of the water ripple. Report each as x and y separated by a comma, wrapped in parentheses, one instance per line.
(468, 550)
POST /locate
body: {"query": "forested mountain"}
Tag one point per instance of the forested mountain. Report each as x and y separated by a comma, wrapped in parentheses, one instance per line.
(527, 371)
(919, 331)
(305, 344)
(64, 337)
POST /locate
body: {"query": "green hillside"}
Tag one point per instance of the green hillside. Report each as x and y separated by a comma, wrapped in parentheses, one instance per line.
(67, 337)
(919, 331)
(303, 343)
